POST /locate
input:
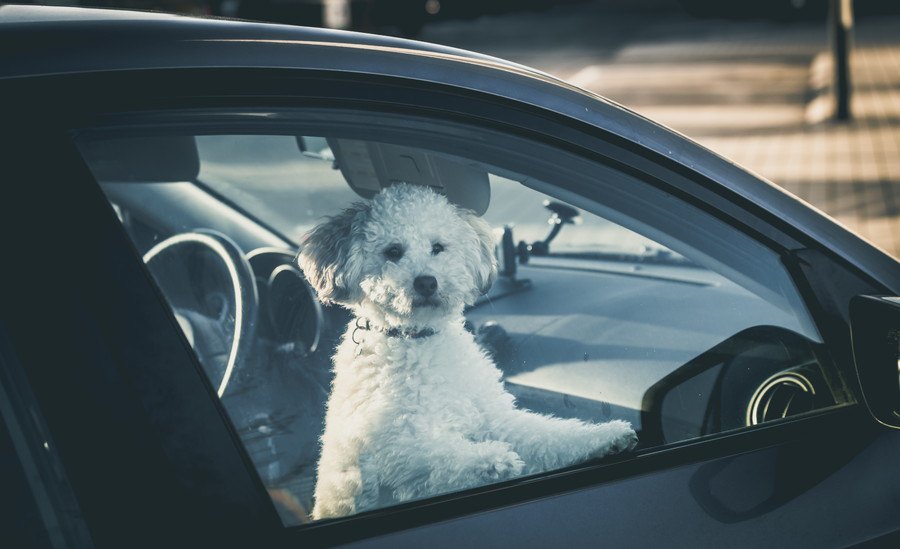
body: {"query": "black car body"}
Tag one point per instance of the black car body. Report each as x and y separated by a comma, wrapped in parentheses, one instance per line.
(116, 436)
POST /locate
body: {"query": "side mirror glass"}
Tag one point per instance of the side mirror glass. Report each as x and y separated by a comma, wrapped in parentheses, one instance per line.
(875, 329)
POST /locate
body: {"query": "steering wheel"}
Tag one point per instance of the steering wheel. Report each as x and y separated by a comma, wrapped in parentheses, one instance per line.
(210, 286)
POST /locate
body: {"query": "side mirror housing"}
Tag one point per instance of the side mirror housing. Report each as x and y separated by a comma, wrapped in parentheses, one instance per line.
(875, 330)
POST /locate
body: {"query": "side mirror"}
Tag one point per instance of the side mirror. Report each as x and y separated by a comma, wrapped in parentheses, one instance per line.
(875, 330)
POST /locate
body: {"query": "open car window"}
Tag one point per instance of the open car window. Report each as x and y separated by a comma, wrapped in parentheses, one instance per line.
(614, 299)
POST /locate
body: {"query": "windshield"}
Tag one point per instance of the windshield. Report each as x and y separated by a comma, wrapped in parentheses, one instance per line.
(526, 211)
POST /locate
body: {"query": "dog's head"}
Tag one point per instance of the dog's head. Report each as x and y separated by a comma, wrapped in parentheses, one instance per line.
(408, 253)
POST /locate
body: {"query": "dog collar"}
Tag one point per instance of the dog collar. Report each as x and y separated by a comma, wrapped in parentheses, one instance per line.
(365, 325)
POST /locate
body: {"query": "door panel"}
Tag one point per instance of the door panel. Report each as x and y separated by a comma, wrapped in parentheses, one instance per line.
(833, 488)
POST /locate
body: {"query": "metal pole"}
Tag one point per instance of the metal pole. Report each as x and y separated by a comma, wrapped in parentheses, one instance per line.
(841, 19)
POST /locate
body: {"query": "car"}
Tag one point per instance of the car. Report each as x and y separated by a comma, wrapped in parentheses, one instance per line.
(164, 364)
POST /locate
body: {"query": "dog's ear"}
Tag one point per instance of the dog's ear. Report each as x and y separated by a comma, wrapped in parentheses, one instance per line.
(486, 261)
(326, 256)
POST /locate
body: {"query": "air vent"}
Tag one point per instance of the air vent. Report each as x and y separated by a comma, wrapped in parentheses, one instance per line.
(782, 395)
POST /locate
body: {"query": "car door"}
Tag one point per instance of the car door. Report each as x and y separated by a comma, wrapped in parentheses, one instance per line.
(823, 477)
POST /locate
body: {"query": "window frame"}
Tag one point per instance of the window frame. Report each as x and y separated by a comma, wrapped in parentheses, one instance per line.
(118, 363)
(129, 91)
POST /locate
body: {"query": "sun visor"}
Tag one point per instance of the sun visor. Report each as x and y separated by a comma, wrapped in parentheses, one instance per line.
(370, 167)
(142, 159)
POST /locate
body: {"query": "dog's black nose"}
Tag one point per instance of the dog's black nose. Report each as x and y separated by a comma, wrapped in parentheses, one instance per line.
(425, 285)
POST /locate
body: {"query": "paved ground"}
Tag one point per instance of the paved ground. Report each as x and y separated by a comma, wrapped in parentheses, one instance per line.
(750, 90)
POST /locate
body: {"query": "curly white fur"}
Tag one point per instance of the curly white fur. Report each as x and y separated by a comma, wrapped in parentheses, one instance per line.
(411, 417)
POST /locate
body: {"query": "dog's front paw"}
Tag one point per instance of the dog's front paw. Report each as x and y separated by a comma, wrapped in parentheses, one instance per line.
(500, 464)
(626, 439)
(615, 436)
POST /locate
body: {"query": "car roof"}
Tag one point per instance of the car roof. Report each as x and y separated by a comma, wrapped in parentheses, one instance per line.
(47, 40)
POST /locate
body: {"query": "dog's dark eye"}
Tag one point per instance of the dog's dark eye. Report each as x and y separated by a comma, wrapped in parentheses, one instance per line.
(436, 248)
(393, 252)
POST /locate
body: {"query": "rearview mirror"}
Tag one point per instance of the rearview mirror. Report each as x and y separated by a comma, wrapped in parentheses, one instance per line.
(315, 147)
(875, 329)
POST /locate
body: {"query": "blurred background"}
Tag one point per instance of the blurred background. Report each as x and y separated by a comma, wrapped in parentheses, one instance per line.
(804, 92)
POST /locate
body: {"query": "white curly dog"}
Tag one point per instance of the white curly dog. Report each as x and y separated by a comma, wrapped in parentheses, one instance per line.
(416, 407)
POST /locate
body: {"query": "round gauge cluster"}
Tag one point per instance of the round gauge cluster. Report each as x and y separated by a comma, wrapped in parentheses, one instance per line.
(290, 311)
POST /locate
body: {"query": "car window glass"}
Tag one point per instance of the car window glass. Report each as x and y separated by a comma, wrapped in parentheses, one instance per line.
(612, 300)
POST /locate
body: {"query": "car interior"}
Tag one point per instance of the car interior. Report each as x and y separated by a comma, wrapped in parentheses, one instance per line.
(593, 336)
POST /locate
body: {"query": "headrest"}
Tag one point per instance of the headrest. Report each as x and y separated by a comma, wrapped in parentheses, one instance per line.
(141, 159)
(370, 167)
